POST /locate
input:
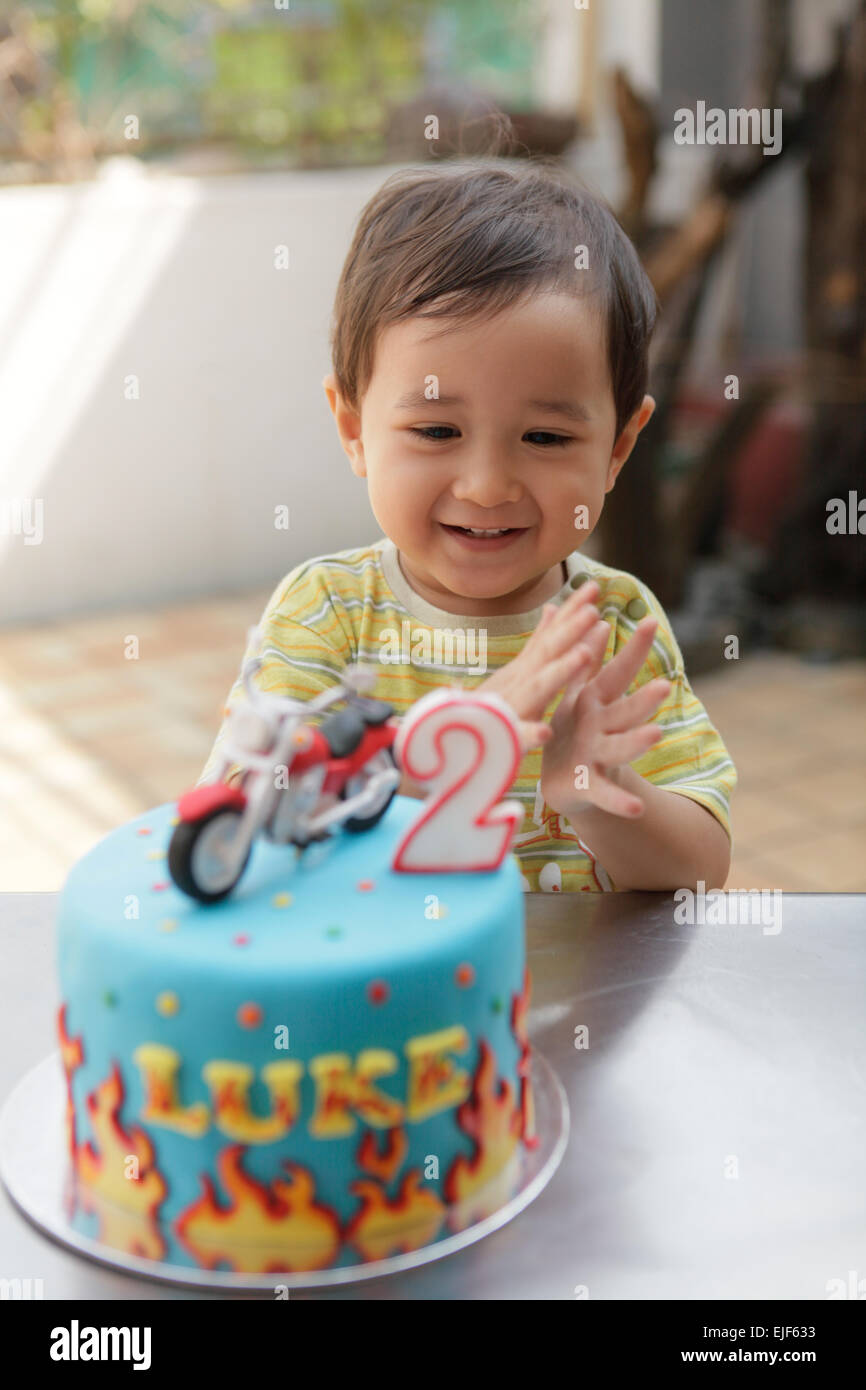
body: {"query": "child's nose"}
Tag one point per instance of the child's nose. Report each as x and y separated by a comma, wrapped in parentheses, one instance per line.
(486, 482)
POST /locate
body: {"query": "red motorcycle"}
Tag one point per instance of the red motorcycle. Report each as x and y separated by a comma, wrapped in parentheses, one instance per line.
(300, 782)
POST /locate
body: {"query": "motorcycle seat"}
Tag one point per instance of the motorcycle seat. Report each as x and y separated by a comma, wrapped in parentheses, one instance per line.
(373, 712)
(342, 732)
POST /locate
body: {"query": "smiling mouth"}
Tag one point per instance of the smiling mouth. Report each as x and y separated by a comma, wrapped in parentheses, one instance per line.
(483, 540)
(482, 532)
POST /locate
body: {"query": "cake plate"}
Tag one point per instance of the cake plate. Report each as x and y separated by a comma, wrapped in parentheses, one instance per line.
(34, 1167)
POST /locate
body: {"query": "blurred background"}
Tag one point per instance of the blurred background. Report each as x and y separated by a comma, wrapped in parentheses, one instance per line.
(161, 364)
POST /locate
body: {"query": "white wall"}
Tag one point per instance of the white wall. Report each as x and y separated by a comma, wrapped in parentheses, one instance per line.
(173, 280)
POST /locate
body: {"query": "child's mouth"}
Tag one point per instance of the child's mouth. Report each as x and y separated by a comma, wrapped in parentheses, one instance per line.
(473, 538)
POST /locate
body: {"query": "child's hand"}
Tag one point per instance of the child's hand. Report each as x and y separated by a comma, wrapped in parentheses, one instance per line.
(552, 657)
(598, 728)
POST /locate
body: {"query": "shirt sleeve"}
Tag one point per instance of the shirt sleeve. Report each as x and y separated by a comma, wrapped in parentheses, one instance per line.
(299, 661)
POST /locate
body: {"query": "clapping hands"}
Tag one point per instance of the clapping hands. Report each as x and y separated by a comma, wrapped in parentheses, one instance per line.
(596, 728)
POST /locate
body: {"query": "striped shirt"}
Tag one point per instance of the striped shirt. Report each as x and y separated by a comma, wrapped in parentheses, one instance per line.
(356, 605)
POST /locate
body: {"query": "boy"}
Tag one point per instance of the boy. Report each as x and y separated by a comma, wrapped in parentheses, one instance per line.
(490, 340)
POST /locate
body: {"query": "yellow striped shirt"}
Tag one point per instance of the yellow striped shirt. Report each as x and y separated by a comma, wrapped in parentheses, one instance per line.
(356, 605)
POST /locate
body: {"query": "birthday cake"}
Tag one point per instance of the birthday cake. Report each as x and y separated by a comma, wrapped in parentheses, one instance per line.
(325, 1066)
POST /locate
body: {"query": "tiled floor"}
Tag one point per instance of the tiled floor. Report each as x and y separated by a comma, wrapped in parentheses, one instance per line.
(90, 737)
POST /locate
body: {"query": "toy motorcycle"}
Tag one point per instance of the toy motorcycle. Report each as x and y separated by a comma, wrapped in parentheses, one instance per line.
(299, 781)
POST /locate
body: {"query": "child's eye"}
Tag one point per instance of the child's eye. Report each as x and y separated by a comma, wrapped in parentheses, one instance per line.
(543, 437)
(547, 439)
(429, 431)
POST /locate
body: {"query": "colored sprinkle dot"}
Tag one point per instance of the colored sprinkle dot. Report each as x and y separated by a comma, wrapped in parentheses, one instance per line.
(156, 854)
(167, 1003)
(168, 924)
(441, 911)
(175, 820)
(159, 887)
(144, 830)
(281, 899)
(333, 931)
(377, 992)
(109, 998)
(249, 1015)
(496, 1005)
(464, 975)
(241, 939)
(365, 885)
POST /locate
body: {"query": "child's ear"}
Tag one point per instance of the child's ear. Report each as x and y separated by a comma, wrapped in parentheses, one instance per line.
(627, 439)
(330, 384)
(348, 423)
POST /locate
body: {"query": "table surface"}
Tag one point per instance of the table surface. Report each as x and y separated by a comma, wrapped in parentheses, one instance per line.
(718, 1114)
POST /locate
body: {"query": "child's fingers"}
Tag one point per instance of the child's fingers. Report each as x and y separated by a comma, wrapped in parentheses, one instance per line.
(545, 684)
(607, 796)
(534, 674)
(552, 657)
(547, 643)
(552, 637)
(616, 749)
(584, 593)
(596, 643)
(548, 613)
(619, 673)
(630, 710)
(533, 733)
(558, 618)
(563, 714)
(599, 637)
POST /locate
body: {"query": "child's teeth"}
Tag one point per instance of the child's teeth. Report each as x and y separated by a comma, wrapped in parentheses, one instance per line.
(500, 531)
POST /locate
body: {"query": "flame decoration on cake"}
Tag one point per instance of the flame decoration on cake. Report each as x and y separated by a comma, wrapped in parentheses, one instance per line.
(125, 1205)
(383, 1227)
(385, 1165)
(269, 1227)
(265, 1228)
(519, 1014)
(72, 1056)
(493, 1121)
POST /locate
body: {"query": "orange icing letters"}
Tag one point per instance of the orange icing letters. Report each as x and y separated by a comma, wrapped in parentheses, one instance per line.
(435, 1083)
(229, 1084)
(341, 1088)
(159, 1068)
(344, 1092)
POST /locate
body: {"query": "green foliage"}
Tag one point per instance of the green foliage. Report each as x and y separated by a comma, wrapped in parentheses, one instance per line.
(314, 81)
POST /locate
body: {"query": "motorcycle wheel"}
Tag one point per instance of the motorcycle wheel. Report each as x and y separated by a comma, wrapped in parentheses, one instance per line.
(378, 809)
(192, 859)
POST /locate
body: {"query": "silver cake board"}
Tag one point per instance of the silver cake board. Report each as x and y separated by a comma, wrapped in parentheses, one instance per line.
(34, 1168)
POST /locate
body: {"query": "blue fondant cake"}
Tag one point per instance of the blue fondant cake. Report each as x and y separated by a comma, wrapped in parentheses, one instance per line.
(329, 1066)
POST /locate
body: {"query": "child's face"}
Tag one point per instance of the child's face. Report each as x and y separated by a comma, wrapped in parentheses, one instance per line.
(522, 436)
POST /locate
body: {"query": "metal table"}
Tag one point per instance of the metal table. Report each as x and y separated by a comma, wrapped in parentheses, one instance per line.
(718, 1112)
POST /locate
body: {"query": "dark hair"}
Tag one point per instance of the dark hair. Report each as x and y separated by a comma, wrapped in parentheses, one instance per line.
(475, 236)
